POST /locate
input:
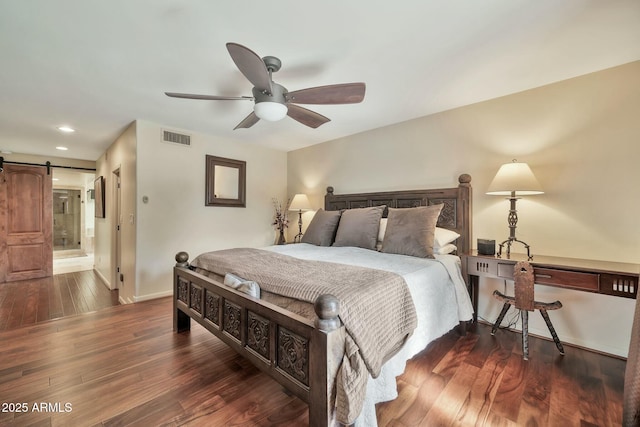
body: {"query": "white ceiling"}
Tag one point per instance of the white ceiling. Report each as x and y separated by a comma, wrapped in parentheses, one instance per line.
(98, 65)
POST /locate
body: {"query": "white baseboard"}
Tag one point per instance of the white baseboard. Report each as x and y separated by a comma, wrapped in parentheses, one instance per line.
(585, 344)
(607, 350)
(153, 296)
(123, 301)
(104, 279)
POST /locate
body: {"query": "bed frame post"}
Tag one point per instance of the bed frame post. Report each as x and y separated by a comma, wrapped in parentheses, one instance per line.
(464, 219)
(327, 349)
(181, 320)
(466, 224)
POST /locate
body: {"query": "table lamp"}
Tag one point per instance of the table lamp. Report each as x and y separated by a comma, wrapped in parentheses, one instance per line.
(299, 203)
(514, 179)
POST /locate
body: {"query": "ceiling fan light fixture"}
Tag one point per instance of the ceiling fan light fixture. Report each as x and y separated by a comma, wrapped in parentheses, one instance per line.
(272, 101)
(270, 111)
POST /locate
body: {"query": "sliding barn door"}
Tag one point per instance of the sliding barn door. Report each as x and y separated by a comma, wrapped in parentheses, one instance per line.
(25, 223)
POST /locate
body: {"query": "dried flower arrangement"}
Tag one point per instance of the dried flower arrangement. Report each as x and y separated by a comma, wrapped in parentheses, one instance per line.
(280, 220)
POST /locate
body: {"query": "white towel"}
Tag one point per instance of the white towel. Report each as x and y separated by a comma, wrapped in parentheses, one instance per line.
(249, 287)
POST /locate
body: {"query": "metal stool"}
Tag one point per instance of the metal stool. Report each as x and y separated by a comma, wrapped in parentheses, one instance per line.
(523, 300)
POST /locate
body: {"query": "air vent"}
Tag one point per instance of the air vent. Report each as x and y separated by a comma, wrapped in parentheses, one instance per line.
(176, 138)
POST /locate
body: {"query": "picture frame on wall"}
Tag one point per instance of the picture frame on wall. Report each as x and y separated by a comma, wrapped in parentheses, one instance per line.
(99, 196)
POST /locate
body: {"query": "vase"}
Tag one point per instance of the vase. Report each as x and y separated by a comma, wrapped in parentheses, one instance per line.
(280, 239)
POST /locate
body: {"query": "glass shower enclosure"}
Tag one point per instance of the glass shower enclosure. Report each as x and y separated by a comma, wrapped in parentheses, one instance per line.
(67, 219)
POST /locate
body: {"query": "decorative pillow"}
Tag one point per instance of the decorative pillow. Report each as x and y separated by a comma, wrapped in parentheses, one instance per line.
(322, 228)
(442, 241)
(410, 231)
(359, 227)
(444, 236)
(446, 249)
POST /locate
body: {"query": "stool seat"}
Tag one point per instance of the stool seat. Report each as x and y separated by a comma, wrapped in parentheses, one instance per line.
(537, 305)
(525, 302)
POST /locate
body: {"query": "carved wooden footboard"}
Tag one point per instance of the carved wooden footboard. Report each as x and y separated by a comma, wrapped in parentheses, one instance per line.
(302, 356)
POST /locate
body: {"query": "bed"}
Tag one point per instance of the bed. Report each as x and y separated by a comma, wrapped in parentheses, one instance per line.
(306, 342)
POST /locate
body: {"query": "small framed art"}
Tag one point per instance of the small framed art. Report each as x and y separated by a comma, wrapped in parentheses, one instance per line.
(99, 195)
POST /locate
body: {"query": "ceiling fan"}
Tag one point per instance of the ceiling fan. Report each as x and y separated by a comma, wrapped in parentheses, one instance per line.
(273, 101)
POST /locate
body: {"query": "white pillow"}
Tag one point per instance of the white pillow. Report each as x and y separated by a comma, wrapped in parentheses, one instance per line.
(446, 249)
(382, 229)
(443, 237)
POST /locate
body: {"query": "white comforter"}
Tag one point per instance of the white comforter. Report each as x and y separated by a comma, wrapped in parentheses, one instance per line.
(439, 294)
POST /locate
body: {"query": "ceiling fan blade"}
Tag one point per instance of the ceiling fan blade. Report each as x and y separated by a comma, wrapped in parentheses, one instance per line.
(345, 93)
(306, 117)
(208, 97)
(251, 65)
(248, 121)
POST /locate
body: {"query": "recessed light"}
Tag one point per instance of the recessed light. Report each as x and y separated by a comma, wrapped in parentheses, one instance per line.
(66, 129)
(61, 148)
(55, 179)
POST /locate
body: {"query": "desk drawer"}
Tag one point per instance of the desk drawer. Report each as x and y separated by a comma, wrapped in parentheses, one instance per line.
(568, 279)
(554, 277)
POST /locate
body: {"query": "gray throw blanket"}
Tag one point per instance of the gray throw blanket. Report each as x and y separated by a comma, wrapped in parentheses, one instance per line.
(375, 307)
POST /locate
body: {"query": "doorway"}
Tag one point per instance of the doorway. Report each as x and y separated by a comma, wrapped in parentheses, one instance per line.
(73, 220)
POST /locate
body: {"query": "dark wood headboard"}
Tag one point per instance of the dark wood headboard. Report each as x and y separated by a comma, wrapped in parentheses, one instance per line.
(455, 215)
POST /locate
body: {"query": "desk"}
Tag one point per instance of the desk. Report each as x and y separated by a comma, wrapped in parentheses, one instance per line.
(602, 277)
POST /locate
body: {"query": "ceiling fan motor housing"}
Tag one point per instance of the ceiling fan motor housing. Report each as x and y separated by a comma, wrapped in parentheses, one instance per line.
(270, 106)
(276, 95)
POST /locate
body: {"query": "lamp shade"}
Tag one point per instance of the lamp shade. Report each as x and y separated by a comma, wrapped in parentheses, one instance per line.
(515, 178)
(270, 111)
(300, 202)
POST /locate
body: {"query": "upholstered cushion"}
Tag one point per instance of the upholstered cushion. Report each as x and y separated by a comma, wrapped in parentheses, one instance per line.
(359, 227)
(322, 228)
(410, 231)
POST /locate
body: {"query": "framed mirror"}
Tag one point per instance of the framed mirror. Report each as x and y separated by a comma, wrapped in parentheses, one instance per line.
(226, 182)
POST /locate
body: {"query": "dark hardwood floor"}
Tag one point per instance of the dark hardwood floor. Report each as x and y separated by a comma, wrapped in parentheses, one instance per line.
(123, 365)
(31, 301)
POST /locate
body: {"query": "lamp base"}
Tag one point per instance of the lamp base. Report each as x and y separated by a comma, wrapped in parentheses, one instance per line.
(508, 243)
(298, 237)
(512, 219)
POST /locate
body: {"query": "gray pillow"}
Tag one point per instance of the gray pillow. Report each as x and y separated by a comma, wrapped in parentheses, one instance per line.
(359, 227)
(322, 228)
(410, 231)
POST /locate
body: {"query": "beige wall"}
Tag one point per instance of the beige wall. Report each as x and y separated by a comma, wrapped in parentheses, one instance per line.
(581, 138)
(171, 178)
(175, 218)
(121, 155)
